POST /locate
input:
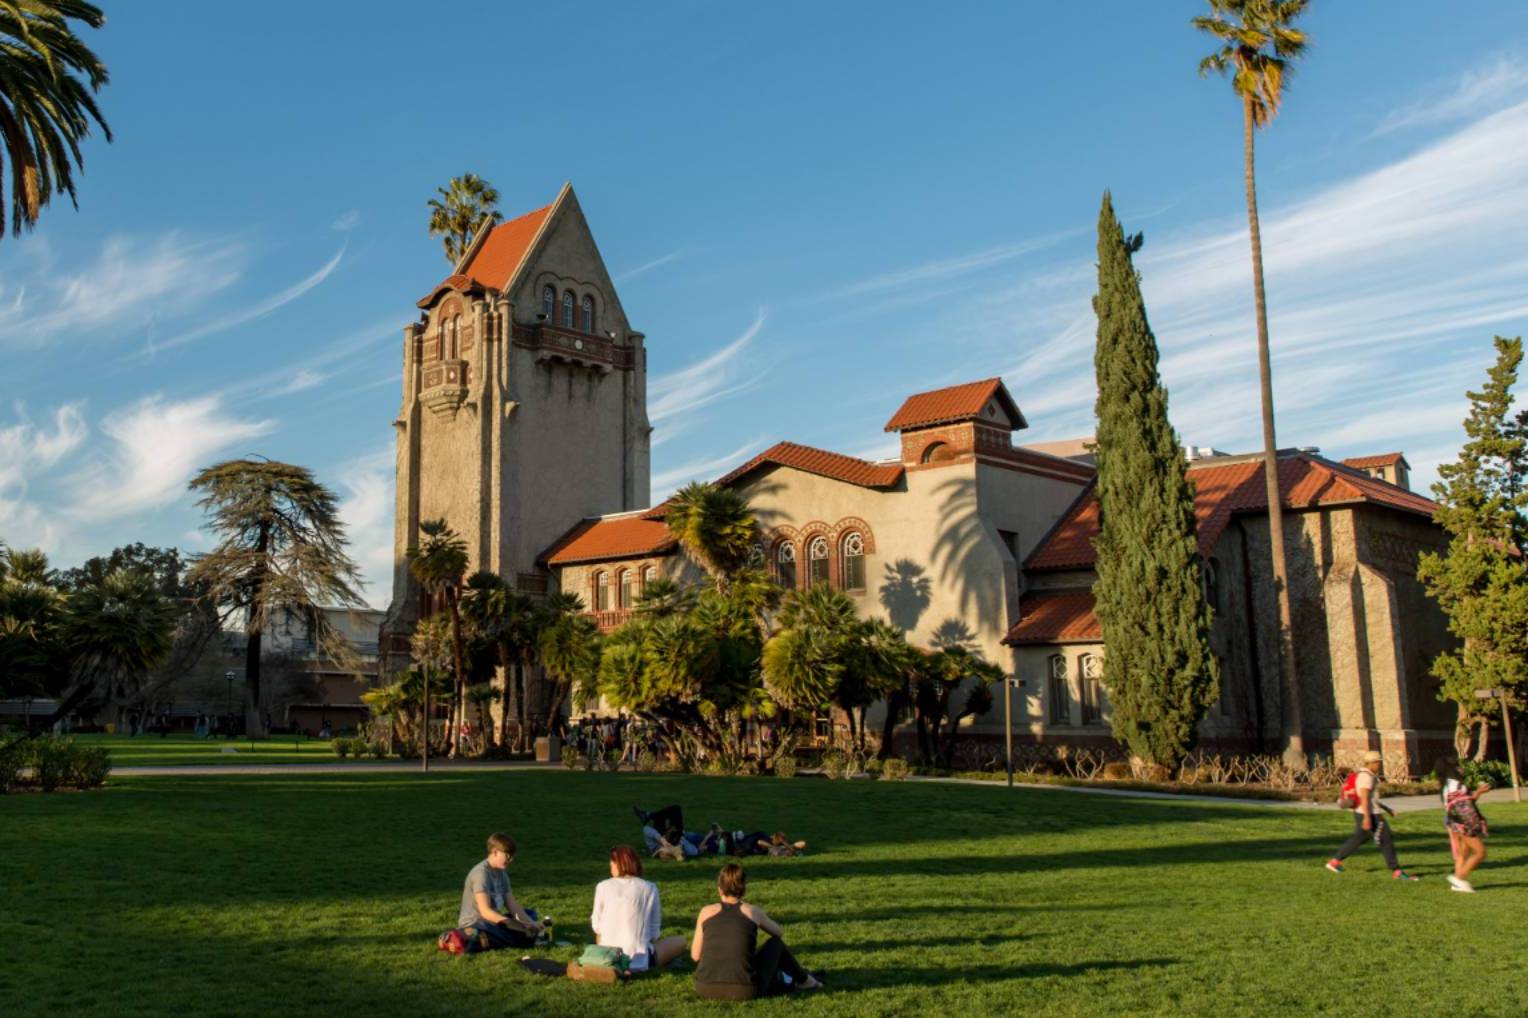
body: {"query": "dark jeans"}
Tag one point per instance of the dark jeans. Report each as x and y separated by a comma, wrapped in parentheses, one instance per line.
(669, 818)
(483, 936)
(756, 843)
(771, 961)
(1380, 834)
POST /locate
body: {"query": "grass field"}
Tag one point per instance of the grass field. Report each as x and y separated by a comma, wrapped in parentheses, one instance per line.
(322, 894)
(153, 751)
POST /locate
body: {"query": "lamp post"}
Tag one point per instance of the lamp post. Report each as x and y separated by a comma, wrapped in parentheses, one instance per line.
(228, 694)
(1009, 685)
(1506, 728)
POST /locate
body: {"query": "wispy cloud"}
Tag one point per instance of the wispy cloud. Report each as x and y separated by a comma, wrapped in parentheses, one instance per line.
(647, 267)
(1477, 92)
(251, 313)
(347, 222)
(707, 468)
(705, 381)
(27, 449)
(155, 446)
(1380, 286)
(131, 284)
(949, 268)
(366, 507)
(345, 349)
(304, 380)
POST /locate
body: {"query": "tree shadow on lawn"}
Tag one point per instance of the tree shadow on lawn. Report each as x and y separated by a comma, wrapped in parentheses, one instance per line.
(903, 975)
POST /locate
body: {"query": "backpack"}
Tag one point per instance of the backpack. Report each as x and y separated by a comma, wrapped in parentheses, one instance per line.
(598, 956)
(1348, 797)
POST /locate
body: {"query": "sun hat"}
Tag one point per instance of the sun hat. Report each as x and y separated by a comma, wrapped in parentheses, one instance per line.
(1374, 756)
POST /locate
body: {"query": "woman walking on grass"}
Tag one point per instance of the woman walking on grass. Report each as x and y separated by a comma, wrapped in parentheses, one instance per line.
(1466, 827)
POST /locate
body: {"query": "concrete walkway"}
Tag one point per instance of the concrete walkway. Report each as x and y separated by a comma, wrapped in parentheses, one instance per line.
(380, 767)
(1400, 803)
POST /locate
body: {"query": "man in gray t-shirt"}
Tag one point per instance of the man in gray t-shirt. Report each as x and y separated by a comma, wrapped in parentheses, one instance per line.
(490, 917)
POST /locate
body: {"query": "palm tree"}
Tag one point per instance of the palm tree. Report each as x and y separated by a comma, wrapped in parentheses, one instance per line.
(282, 553)
(117, 631)
(482, 696)
(45, 107)
(459, 212)
(569, 646)
(438, 563)
(33, 655)
(716, 527)
(1258, 45)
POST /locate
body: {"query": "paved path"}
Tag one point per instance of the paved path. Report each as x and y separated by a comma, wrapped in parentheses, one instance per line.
(389, 767)
(1400, 803)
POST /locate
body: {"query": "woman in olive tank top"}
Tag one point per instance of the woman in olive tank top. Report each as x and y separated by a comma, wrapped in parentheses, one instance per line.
(729, 964)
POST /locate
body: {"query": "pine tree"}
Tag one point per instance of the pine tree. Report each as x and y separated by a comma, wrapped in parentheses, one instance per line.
(1159, 670)
(1481, 581)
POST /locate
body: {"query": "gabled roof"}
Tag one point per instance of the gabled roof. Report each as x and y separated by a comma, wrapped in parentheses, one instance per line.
(821, 462)
(1056, 618)
(1221, 492)
(495, 255)
(955, 403)
(1384, 459)
(628, 535)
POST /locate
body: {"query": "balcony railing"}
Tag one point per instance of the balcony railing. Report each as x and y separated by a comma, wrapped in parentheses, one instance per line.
(586, 348)
(608, 620)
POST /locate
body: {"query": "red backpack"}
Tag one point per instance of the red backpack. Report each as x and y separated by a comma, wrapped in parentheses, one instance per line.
(1348, 797)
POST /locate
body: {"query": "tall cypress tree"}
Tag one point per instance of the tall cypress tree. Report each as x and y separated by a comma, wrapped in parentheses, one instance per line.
(1158, 667)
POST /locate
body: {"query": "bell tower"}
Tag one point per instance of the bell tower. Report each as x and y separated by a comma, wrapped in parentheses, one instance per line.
(524, 404)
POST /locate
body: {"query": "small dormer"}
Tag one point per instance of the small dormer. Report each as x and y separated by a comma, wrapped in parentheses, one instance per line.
(955, 424)
(1390, 467)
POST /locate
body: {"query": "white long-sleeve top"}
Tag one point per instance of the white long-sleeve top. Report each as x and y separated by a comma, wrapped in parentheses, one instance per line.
(628, 915)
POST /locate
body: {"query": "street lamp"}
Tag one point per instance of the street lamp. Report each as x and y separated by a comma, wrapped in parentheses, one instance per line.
(1009, 685)
(228, 694)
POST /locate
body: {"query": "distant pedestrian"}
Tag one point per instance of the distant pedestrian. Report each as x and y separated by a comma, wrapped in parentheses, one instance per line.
(1367, 823)
(1466, 827)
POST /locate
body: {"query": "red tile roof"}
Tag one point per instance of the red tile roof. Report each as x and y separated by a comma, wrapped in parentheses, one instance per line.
(1055, 618)
(498, 258)
(1220, 492)
(821, 462)
(956, 403)
(610, 538)
(1384, 459)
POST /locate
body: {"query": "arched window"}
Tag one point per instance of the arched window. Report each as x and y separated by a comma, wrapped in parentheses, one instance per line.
(649, 574)
(1060, 696)
(937, 452)
(450, 343)
(852, 567)
(817, 561)
(785, 565)
(567, 309)
(1091, 699)
(601, 593)
(588, 313)
(548, 301)
(623, 598)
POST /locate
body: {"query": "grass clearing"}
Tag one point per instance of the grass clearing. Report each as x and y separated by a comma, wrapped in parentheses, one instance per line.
(322, 894)
(188, 750)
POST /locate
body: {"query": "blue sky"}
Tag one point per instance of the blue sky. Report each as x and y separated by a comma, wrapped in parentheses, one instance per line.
(810, 209)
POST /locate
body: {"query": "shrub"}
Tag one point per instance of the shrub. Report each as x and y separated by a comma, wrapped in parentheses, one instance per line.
(785, 766)
(571, 757)
(714, 766)
(834, 764)
(873, 767)
(378, 750)
(50, 762)
(1494, 771)
(647, 761)
(12, 760)
(88, 766)
(1116, 770)
(341, 748)
(895, 769)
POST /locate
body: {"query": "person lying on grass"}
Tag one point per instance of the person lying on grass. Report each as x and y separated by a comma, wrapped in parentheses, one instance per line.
(664, 835)
(730, 964)
(627, 914)
(490, 917)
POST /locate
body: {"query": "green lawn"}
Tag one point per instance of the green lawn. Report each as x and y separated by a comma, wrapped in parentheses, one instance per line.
(322, 894)
(153, 751)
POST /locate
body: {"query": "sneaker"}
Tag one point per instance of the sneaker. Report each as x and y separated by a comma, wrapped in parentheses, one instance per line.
(1462, 886)
(1402, 875)
(1334, 865)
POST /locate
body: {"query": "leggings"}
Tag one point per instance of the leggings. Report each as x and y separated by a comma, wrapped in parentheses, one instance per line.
(1380, 834)
(771, 961)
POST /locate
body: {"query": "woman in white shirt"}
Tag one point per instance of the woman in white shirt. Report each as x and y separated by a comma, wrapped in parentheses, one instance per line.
(627, 914)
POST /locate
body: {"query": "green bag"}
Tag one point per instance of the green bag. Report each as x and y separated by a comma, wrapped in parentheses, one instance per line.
(605, 957)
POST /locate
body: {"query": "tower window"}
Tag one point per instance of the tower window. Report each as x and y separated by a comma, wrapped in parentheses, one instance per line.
(601, 593)
(817, 561)
(938, 452)
(548, 301)
(785, 565)
(852, 568)
(567, 310)
(588, 313)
